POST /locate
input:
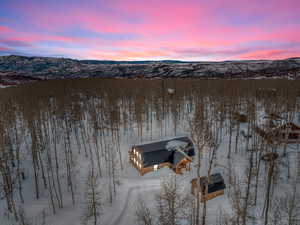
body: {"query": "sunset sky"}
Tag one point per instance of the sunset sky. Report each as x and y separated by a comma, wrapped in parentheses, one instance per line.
(151, 29)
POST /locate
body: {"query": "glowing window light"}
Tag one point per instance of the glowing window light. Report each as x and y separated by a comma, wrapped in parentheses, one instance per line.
(134, 151)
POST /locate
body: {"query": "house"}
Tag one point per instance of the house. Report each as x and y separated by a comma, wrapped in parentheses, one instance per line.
(240, 118)
(215, 185)
(176, 153)
(271, 120)
(284, 133)
(270, 156)
(273, 116)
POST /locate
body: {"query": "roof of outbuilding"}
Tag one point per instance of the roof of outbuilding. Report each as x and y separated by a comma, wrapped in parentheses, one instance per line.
(216, 182)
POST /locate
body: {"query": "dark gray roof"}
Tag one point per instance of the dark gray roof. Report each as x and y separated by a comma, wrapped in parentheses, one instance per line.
(178, 156)
(156, 152)
(157, 157)
(159, 145)
(216, 183)
(216, 178)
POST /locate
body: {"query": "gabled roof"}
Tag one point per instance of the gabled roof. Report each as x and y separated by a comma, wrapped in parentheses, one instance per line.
(216, 183)
(177, 158)
(159, 145)
(162, 152)
(289, 125)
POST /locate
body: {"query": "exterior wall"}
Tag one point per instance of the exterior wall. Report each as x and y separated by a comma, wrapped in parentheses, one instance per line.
(151, 168)
(211, 195)
(289, 136)
(194, 189)
(133, 158)
(184, 164)
(280, 135)
(143, 170)
(208, 196)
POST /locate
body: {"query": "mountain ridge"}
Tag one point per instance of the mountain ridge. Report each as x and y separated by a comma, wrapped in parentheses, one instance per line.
(16, 69)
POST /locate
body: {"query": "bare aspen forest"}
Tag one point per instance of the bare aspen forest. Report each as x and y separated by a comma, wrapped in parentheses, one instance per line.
(64, 152)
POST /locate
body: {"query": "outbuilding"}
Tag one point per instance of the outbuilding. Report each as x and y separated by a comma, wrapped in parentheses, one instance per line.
(215, 184)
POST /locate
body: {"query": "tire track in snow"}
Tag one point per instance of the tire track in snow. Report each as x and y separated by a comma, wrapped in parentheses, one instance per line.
(127, 201)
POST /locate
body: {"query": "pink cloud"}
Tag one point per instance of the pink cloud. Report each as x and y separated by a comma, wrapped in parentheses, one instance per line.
(36, 37)
(4, 49)
(4, 29)
(269, 54)
(169, 28)
(127, 54)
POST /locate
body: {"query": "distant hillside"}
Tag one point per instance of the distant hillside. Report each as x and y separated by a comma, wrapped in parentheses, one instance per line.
(19, 69)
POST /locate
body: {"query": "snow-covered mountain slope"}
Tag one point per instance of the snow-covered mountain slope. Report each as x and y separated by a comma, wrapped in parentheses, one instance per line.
(20, 69)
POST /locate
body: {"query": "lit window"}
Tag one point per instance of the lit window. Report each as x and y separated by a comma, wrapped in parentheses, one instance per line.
(155, 167)
(134, 151)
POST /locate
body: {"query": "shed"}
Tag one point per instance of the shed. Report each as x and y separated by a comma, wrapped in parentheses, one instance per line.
(215, 184)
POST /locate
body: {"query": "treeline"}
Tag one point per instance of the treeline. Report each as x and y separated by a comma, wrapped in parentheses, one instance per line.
(47, 127)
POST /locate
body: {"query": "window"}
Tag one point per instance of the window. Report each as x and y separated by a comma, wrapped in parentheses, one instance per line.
(293, 135)
(155, 167)
(134, 151)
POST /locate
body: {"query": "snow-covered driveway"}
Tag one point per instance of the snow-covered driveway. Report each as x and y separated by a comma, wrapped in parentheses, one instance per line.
(122, 211)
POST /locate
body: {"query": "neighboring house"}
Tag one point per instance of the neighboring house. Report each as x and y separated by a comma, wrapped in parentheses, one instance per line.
(240, 117)
(285, 133)
(215, 186)
(273, 116)
(175, 153)
(272, 120)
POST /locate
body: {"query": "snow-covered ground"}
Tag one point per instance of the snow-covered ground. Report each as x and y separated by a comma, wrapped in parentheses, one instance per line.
(131, 186)
(3, 86)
